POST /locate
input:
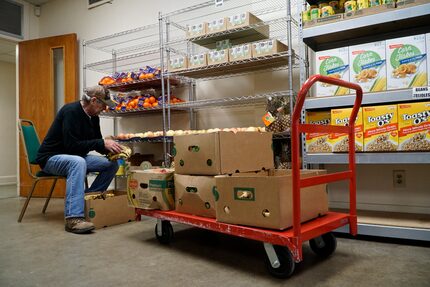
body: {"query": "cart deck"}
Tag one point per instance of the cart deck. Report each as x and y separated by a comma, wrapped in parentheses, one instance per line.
(310, 229)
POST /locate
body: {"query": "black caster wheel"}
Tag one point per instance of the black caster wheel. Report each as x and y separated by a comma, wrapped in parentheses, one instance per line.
(166, 232)
(324, 245)
(286, 263)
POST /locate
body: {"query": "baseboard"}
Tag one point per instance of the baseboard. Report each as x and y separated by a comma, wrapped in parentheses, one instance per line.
(383, 207)
(8, 180)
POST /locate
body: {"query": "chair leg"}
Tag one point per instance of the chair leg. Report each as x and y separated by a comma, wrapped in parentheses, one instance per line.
(49, 196)
(24, 208)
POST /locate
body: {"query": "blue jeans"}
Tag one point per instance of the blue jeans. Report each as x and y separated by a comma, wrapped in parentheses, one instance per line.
(75, 168)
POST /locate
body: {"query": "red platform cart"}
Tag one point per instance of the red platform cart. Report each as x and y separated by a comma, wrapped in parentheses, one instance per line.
(284, 248)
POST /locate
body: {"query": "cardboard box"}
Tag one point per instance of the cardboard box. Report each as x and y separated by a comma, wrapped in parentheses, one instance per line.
(318, 142)
(332, 63)
(197, 61)
(223, 152)
(241, 20)
(414, 126)
(110, 211)
(408, 3)
(264, 200)
(217, 25)
(151, 189)
(339, 141)
(380, 128)
(217, 57)
(240, 52)
(267, 47)
(196, 30)
(178, 64)
(368, 66)
(223, 44)
(369, 11)
(323, 21)
(195, 195)
(407, 62)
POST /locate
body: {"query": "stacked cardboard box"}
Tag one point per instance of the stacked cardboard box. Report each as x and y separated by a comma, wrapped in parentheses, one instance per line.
(199, 157)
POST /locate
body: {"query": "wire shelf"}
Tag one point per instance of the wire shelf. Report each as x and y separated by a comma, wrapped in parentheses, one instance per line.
(138, 39)
(127, 63)
(240, 66)
(229, 102)
(147, 140)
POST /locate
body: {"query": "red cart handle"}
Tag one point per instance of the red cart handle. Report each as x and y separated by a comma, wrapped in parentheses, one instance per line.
(297, 128)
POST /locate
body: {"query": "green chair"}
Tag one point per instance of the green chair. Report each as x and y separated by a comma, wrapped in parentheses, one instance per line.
(31, 143)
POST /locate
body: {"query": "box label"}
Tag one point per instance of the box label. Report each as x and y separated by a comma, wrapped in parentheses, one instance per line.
(318, 142)
(340, 141)
(380, 128)
(414, 126)
(332, 63)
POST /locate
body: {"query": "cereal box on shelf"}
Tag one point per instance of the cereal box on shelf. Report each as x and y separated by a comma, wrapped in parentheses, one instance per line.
(318, 142)
(332, 63)
(339, 141)
(414, 126)
(406, 62)
(380, 128)
(367, 66)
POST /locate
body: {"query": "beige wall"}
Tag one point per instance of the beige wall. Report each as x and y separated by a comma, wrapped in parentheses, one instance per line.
(8, 125)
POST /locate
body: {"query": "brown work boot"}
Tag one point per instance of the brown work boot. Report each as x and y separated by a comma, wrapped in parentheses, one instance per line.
(78, 225)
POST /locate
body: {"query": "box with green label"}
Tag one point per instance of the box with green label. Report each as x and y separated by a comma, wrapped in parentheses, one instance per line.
(197, 61)
(332, 63)
(108, 209)
(151, 189)
(222, 152)
(368, 66)
(196, 194)
(406, 62)
(265, 199)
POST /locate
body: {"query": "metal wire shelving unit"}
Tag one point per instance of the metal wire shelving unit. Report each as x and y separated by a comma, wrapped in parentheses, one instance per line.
(278, 22)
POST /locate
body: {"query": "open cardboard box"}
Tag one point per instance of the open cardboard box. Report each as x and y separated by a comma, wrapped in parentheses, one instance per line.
(110, 211)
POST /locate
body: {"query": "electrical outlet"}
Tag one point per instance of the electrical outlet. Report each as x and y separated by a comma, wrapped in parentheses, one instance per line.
(399, 178)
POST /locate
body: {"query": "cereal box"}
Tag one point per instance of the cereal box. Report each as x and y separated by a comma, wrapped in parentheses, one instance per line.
(380, 128)
(414, 126)
(318, 142)
(406, 62)
(339, 141)
(367, 66)
(333, 63)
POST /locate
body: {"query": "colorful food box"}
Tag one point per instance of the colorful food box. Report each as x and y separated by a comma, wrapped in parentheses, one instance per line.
(368, 67)
(318, 142)
(414, 126)
(406, 62)
(339, 141)
(380, 128)
(332, 63)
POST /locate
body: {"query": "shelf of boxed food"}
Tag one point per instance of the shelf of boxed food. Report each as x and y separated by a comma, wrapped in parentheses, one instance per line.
(394, 96)
(240, 34)
(370, 158)
(133, 40)
(367, 25)
(229, 102)
(226, 68)
(127, 63)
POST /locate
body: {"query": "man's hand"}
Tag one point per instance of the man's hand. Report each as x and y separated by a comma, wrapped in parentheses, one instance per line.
(112, 146)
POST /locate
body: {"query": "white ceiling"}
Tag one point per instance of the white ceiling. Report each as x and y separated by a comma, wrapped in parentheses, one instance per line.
(7, 51)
